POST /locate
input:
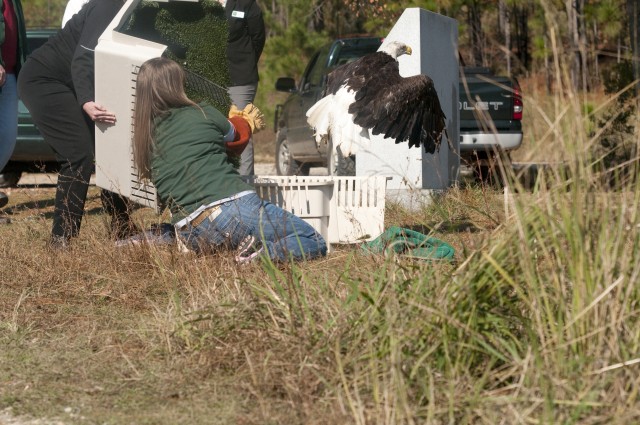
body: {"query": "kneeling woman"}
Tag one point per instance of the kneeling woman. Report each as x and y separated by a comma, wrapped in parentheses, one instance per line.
(181, 147)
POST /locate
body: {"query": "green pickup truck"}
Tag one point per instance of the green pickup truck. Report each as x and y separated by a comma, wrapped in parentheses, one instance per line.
(490, 113)
(31, 153)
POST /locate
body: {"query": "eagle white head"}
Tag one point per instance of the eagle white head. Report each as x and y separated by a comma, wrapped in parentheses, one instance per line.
(396, 49)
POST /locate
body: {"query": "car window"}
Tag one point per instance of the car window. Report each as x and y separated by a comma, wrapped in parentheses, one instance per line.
(34, 42)
(350, 53)
(316, 70)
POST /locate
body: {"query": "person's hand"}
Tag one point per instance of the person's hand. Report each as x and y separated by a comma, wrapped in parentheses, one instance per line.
(3, 75)
(99, 113)
(251, 114)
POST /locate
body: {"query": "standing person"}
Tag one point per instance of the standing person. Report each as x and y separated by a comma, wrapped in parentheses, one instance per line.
(73, 7)
(57, 86)
(13, 50)
(182, 148)
(244, 47)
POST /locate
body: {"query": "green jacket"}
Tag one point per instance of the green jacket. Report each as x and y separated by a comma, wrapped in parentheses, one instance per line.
(189, 165)
(22, 34)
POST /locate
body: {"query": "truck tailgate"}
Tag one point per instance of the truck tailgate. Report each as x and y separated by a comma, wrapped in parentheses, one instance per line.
(484, 96)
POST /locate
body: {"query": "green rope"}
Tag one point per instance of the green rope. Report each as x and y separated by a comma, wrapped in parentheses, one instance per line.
(408, 243)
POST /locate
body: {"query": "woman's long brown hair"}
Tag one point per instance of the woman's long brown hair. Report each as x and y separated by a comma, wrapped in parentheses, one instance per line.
(159, 88)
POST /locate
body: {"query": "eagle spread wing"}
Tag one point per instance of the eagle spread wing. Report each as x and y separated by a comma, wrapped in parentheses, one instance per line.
(373, 95)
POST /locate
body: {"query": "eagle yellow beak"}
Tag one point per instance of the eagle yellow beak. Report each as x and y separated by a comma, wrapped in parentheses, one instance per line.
(408, 50)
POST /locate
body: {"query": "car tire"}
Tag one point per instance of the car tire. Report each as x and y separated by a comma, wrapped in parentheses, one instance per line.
(10, 178)
(285, 165)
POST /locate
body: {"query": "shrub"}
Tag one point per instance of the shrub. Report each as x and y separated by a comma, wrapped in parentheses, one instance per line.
(616, 149)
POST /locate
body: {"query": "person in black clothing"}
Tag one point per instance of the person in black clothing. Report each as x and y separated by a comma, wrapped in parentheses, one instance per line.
(244, 47)
(56, 84)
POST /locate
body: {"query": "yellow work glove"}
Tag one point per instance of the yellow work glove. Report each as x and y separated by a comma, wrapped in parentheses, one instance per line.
(251, 114)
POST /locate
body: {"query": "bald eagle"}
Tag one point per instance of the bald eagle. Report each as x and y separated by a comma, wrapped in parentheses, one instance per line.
(369, 94)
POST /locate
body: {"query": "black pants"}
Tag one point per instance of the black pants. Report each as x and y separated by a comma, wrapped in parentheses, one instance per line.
(70, 133)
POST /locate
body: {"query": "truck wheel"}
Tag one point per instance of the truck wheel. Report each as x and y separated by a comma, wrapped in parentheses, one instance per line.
(482, 173)
(285, 165)
(488, 171)
(10, 178)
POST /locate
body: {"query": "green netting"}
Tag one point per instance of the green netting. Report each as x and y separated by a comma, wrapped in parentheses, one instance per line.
(408, 243)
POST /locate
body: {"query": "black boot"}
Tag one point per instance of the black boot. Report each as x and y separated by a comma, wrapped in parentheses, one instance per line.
(4, 199)
(119, 208)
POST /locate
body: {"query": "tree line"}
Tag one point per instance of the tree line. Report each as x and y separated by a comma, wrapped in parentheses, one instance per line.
(514, 37)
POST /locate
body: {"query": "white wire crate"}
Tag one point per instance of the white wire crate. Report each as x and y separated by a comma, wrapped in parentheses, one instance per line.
(343, 210)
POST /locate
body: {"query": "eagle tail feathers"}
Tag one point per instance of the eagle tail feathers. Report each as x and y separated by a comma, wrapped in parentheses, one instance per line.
(320, 118)
(349, 137)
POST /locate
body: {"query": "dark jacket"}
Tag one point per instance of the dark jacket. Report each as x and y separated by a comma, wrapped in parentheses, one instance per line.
(22, 34)
(69, 55)
(246, 40)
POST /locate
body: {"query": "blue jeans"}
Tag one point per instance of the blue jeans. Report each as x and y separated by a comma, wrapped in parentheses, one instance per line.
(283, 235)
(8, 119)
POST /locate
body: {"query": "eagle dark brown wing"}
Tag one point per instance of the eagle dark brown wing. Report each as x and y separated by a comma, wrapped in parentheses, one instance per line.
(404, 109)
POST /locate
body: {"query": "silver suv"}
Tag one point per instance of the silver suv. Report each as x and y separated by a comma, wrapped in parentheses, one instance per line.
(296, 149)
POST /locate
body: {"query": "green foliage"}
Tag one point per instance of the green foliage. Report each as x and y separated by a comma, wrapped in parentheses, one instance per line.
(288, 54)
(195, 35)
(43, 13)
(616, 148)
(287, 50)
(609, 15)
(618, 78)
